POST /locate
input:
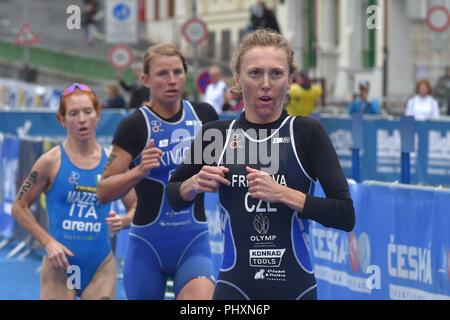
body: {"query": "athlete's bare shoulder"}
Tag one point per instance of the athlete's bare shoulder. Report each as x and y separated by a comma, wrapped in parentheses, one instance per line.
(51, 157)
(48, 164)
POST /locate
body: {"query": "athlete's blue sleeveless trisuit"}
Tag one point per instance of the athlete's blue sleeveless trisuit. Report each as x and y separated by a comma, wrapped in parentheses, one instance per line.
(265, 244)
(175, 244)
(76, 217)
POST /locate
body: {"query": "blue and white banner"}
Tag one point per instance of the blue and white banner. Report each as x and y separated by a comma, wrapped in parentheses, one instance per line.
(340, 132)
(212, 212)
(399, 248)
(45, 125)
(20, 94)
(9, 166)
(29, 152)
(380, 157)
(122, 237)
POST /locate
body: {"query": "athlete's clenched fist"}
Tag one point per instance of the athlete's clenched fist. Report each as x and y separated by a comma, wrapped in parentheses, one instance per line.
(208, 179)
(262, 186)
(150, 158)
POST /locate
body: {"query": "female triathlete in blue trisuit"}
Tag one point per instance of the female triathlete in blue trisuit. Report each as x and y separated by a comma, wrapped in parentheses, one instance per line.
(78, 232)
(154, 139)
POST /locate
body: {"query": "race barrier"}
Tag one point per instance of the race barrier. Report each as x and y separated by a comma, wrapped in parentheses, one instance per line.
(399, 248)
(381, 148)
(43, 125)
(15, 94)
(10, 151)
(212, 211)
(380, 154)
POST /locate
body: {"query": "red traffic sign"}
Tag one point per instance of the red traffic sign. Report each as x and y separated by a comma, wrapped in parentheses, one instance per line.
(26, 36)
(438, 18)
(202, 81)
(121, 57)
(194, 31)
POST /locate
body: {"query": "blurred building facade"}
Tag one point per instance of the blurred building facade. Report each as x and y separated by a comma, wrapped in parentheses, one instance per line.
(388, 43)
(341, 41)
(227, 22)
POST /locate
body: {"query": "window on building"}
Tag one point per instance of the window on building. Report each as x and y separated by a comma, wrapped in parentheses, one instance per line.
(142, 16)
(242, 33)
(336, 22)
(368, 37)
(211, 44)
(156, 11)
(309, 57)
(171, 8)
(226, 45)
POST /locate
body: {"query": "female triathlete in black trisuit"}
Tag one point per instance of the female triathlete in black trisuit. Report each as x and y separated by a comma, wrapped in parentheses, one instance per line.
(263, 167)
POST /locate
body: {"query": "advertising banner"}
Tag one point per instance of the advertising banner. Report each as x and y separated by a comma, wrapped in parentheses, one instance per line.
(29, 152)
(121, 243)
(9, 166)
(399, 248)
(380, 157)
(212, 212)
(44, 125)
(18, 94)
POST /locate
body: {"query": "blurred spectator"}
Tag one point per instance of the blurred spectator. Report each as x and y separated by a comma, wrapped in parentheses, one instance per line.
(235, 101)
(140, 94)
(90, 10)
(262, 17)
(442, 90)
(361, 102)
(303, 95)
(217, 92)
(185, 94)
(422, 106)
(115, 99)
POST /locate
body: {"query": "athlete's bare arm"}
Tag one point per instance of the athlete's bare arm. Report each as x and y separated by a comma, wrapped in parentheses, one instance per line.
(117, 180)
(40, 180)
(116, 222)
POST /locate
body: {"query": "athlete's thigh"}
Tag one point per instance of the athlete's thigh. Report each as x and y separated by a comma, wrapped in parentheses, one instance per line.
(196, 264)
(54, 283)
(143, 276)
(103, 283)
(197, 289)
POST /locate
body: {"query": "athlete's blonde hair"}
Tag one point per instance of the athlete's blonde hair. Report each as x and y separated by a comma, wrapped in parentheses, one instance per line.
(162, 50)
(261, 38)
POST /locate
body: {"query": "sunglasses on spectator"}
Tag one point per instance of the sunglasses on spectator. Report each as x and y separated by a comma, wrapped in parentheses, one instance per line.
(73, 87)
